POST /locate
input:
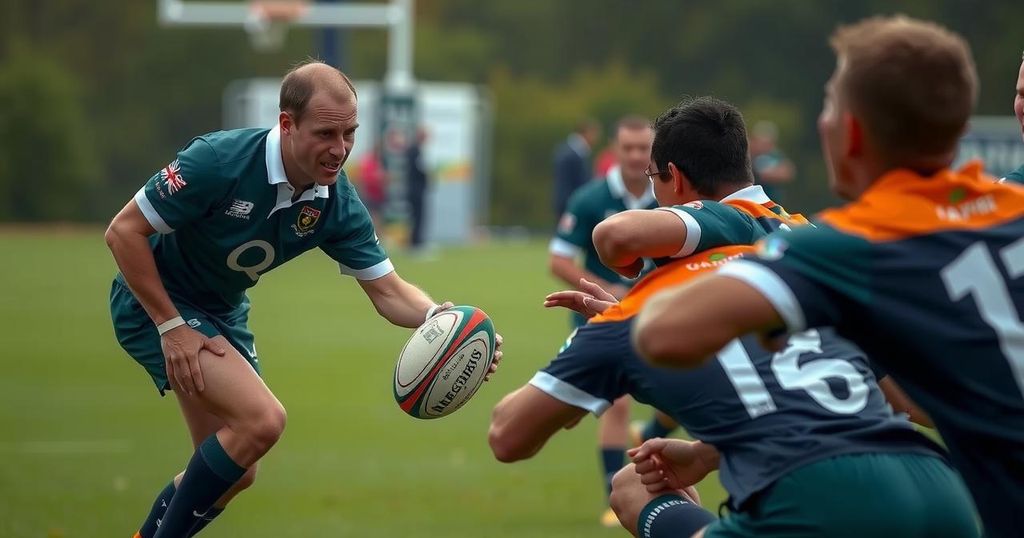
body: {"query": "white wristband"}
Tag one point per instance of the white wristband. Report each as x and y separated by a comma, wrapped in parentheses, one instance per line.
(431, 311)
(172, 323)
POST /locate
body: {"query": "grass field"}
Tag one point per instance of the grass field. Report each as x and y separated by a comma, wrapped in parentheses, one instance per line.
(87, 442)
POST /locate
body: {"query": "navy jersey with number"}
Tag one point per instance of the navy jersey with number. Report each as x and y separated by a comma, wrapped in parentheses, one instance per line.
(767, 413)
(927, 276)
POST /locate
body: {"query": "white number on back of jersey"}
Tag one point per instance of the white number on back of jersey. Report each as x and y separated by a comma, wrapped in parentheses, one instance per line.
(974, 273)
(809, 377)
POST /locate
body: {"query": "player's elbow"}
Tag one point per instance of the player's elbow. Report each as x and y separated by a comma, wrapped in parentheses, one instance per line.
(114, 234)
(611, 239)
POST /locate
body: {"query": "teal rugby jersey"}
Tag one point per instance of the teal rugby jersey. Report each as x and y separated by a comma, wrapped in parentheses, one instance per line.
(588, 206)
(224, 215)
(926, 275)
(1016, 176)
(741, 218)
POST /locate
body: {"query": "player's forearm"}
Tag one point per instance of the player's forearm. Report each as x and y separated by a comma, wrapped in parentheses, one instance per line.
(708, 456)
(666, 335)
(566, 270)
(688, 324)
(134, 259)
(623, 238)
(398, 301)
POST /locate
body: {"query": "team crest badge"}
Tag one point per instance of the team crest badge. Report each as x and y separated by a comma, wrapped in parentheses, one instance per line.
(567, 223)
(307, 220)
(171, 174)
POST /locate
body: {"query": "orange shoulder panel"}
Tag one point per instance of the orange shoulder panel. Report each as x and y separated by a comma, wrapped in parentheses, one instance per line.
(670, 275)
(757, 210)
(903, 204)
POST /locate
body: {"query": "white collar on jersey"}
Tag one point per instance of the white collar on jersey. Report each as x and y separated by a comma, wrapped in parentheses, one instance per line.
(276, 175)
(618, 189)
(753, 193)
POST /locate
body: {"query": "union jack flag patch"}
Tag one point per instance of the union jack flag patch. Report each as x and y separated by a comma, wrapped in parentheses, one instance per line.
(172, 177)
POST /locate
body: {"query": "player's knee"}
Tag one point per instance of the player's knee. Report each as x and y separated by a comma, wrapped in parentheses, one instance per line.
(624, 499)
(505, 445)
(268, 426)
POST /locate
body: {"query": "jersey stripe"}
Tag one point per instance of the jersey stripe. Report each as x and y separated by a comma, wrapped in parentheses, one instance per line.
(370, 273)
(563, 248)
(148, 211)
(564, 392)
(772, 287)
(692, 231)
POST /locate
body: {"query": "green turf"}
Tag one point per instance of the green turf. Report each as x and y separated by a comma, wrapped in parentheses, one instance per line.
(87, 442)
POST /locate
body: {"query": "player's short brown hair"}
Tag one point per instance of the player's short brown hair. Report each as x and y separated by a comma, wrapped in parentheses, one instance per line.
(632, 122)
(305, 78)
(913, 83)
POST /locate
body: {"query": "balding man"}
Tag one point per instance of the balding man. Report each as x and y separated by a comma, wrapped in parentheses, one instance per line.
(230, 207)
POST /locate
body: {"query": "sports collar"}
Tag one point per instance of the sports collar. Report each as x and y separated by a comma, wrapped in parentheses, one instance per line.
(276, 176)
(275, 167)
(753, 193)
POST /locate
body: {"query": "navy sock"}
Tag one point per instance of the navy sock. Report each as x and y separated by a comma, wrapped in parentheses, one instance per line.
(209, 475)
(612, 459)
(654, 428)
(205, 520)
(156, 513)
(672, 516)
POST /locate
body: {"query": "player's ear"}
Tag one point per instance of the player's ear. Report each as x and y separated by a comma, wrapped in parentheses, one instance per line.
(853, 130)
(284, 121)
(680, 183)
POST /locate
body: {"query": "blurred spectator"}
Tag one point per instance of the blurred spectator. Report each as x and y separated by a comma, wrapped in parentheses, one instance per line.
(373, 185)
(605, 161)
(572, 166)
(771, 167)
(1018, 110)
(416, 188)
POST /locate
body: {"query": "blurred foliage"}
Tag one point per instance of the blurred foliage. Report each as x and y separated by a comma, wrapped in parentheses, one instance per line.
(48, 166)
(145, 90)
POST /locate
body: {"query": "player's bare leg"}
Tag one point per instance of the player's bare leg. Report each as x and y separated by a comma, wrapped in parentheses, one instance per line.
(663, 514)
(659, 425)
(253, 420)
(612, 440)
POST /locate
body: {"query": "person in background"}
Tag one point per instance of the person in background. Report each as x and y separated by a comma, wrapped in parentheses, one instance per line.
(771, 168)
(416, 189)
(373, 179)
(572, 163)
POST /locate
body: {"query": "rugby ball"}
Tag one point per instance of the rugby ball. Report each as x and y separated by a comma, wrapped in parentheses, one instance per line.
(444, 362)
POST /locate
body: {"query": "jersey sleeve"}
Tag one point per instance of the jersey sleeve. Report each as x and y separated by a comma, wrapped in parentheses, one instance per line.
(185, 190)
(711, 225)
(587, 372)
(1017, 176)
(809, 275)
(575, 228)
(356, 247)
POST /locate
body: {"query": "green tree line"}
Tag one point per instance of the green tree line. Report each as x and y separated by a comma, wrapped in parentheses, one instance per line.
(96, 96)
